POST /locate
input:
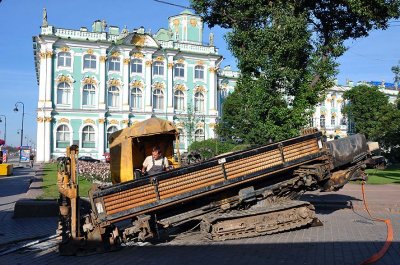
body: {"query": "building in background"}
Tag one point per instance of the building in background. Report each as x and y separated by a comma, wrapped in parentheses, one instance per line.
(328, 116)
(93, 83)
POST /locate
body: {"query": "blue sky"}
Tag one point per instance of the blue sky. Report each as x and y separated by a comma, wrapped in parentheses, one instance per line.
(367, 59)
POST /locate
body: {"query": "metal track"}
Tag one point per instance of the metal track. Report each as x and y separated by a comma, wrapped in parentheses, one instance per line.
(258, 221)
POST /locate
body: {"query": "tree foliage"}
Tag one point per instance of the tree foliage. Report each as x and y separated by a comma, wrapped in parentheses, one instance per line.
(373, 115)
(286, 53)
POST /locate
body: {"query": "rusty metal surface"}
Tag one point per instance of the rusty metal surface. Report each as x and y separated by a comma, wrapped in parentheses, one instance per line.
(347, 150)
(235, 170)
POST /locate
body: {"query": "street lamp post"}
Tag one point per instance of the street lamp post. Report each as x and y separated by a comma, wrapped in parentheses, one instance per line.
(22, 125)
(5, 127)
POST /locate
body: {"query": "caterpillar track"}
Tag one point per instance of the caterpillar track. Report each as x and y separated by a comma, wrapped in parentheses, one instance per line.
(258, 221)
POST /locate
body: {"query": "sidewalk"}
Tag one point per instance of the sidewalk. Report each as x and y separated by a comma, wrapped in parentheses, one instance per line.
(23, 184)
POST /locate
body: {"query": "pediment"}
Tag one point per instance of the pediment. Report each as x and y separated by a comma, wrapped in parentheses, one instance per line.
(140, 40)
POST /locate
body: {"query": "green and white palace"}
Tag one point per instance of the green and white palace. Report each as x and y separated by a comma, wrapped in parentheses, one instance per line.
(93, 83)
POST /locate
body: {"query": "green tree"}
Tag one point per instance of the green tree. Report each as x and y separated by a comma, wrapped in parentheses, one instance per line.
(373, 114)
(286, 53)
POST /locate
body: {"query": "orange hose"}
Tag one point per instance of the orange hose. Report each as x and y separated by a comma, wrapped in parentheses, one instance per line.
(389, 238)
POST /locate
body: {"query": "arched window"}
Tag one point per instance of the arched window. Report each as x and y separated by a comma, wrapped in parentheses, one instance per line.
(199, 102)
(89, 61)
(89, 95)
(332, 102)
(63, 93)
(182, 138)
(199, 72)
(179, 70)
(88, 137)
(136, 98)
(62, 136)
(114, 64)
(136, 66)
(158, 99)
(333, 121)
(64, 59)
(113, 96)
(110, 131)
(179, 99)
(199, 135)
(322, 121)
(158, 68)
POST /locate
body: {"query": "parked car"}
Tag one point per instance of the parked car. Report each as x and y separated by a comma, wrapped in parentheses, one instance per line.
(378, 162)
(107, 157)
(88, 159)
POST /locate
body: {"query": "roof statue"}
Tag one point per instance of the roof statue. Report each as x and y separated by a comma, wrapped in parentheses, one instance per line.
(44, 20)
(211, 39)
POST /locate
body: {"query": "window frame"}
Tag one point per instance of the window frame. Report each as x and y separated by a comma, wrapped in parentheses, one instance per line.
(89, 144)
(138, 64)
(91, 95)
(196, 102)
(179, 68)
(114, 61)
(91, 60)
(64, 89)
(66, 142)
(322, 121)
(140, 101)
(64, 66)
(180, 97)
(112, 93)
(158, 98)
(158, 65)
(196, 135)
(196, 69)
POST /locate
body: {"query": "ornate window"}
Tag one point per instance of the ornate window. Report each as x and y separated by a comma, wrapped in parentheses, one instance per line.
(63, 93)
(158, 68)
(88, 137)
(64, 59)
(158, 99)
(89, 61)
(62, 136)
(113, 96)
(332, 103)
(136, 66)
(333, 121)
(199, 102)
(199, 135)
(136, 98)
(89, 94)
(179, 70)
(179, 99)
(110, 131)
(322, 121)
(114, 64)
(199, 72)
(182, 138)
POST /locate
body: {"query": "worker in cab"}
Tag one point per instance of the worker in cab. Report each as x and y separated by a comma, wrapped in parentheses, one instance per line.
(156, 163)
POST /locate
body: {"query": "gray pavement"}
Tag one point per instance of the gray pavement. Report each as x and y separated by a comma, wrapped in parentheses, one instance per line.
(346, 237)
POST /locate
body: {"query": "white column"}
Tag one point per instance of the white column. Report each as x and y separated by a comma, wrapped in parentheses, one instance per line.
(47, 138)
(42, 79)
(49, 71)
(170, 93)
(212, 90)
(101, 136)
(125, 88)
(148, 61)
(102, 86)
(40, 137)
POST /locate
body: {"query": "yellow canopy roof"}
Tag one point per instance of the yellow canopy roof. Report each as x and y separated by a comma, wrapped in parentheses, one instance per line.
(147, 127)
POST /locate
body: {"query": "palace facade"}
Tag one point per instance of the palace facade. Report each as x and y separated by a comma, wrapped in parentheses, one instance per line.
(93, 83)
